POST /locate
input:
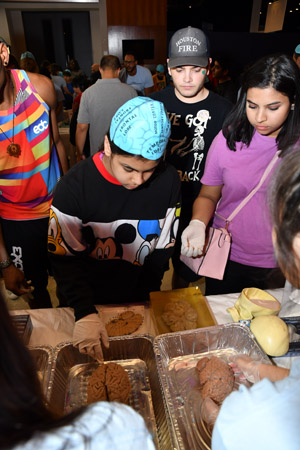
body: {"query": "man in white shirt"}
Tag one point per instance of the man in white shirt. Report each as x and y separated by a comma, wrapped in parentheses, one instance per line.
(139, 77)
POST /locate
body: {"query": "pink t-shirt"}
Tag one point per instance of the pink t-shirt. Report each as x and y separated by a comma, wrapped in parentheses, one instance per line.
(240, 172)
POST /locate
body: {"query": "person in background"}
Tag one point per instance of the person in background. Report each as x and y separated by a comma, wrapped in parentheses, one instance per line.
(68, 97)
(28, 63)
(159, 78)
(99, 103)
(275, 394)
(139, 77)
(79, 84)
(95, 73)
(45, 68)
(57, 79)
(59, 110)
(265, 122)
(221, 72)
(28, 422)
(211, 82)
(296, 55)
(95, 68)
(29, 170)
(13, 62)
(114, 220)
(73, 65)
(196, 116)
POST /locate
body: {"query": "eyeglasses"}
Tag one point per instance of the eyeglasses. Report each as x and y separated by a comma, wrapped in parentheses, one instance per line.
(129, 62)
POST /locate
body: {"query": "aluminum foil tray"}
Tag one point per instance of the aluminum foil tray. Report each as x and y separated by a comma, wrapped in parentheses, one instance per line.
(71, 370)
(43, 358)
(23, 326)
(177, 355)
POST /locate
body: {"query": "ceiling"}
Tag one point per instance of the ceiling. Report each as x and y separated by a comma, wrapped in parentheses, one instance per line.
(221, 15)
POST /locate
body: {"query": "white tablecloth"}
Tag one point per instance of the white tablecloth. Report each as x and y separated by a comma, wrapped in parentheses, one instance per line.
(52, 326)
(55, 325)
(219, 304)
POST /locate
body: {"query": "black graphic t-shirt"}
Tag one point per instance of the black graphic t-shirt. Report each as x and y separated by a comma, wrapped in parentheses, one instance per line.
(109, 244)
(194, 126)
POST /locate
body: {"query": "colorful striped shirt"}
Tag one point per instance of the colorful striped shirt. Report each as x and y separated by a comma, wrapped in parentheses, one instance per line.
(27, 181)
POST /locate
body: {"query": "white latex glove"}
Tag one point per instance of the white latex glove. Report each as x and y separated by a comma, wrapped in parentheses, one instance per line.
(248, 366)
(88, 334)
(209, 411)
(193, 239)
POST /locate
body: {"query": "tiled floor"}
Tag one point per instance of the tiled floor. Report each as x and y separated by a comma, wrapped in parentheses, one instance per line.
(21, 302)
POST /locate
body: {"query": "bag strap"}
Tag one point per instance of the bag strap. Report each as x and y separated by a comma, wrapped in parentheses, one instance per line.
(254, 190)
(54, 145)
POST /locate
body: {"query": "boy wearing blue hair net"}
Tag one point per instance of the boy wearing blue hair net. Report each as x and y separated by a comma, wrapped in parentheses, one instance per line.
(114, 219)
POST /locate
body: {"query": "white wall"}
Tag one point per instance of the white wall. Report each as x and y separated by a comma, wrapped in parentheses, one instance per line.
(275, 16)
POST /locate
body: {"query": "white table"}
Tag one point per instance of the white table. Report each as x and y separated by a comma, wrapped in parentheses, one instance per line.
(219, 304)
(53, 326)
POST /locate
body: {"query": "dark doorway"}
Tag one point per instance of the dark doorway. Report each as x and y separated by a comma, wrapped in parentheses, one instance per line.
(59, 36)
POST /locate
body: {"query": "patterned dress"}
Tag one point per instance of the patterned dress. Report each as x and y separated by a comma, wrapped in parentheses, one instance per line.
(26, 184)
(27, 181)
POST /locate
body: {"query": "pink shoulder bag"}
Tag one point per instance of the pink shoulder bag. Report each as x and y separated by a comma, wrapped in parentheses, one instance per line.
(213, 261)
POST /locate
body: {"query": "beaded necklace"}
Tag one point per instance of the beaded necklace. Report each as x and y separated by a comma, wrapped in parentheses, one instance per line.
(12, 149)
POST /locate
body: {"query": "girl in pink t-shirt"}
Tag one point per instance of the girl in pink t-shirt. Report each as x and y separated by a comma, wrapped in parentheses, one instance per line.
(265, 119)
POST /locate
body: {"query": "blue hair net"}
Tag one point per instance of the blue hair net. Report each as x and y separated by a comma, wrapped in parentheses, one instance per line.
(141, 127)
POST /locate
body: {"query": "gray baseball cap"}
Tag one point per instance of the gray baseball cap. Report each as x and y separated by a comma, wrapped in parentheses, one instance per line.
(188, 47)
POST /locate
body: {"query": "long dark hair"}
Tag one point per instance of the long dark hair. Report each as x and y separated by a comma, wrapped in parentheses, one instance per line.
(23, 410)
(284, 200)
(281, 73)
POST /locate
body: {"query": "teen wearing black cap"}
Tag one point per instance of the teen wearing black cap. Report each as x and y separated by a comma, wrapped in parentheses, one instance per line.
(196, 116)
